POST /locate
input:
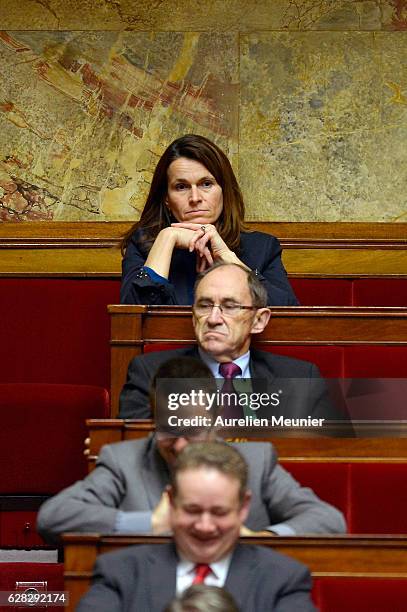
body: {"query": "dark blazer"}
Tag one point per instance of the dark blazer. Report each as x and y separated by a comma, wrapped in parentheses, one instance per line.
(260, 252)
(143, 579)
(304, 392)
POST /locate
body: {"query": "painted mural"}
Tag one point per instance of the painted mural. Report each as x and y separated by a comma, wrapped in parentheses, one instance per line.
(84, 117)
(308, 99)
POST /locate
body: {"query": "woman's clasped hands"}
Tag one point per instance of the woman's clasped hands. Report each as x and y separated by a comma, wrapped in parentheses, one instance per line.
(205, 240)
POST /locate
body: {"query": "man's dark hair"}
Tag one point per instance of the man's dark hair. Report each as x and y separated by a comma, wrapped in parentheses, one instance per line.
(185, 372)
(257, 290)
(212, 455)
(181, 375)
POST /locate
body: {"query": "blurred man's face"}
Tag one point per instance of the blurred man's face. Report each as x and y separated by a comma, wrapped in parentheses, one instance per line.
(224, 337)
(171, 440)
(206, 514)
(170, 446)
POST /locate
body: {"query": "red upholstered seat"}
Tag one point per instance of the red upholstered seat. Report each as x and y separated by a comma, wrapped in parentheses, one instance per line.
(56, 330)
(350, 291)
(375, 361)
(42, 434)
(360, 594)
(328, 480)
(329, 359)
(380, 292)
(18, 527)
(323, 291)
(372, 496)
(378, 498)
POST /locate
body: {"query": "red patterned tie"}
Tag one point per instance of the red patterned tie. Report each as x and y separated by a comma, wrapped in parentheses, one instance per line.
(231, 409)
(201, 572)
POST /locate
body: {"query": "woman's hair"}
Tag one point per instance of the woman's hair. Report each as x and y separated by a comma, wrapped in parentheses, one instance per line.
(155, 215)
(203, 598)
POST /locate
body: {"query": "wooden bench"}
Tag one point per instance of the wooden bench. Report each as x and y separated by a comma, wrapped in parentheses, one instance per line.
(377, 442)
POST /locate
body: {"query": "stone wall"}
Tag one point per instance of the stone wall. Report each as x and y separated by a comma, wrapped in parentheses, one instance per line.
(308, 98)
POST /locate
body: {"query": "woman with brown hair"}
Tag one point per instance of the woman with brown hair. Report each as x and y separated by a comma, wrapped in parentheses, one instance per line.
(194, 216)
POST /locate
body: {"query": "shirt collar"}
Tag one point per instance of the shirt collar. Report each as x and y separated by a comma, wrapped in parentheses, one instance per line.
(219, 568)
(243, 362)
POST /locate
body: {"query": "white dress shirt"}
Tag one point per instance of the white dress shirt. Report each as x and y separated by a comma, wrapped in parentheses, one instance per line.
(217, 576)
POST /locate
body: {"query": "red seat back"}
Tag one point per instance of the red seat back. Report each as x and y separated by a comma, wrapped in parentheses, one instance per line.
(378, 498)
(372, 495)
(333, 594)
(56, 330)
(42, 434)
(350, 291)
(323, 291)
(330, 481)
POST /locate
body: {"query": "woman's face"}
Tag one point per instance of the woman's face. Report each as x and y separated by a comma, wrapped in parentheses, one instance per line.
(193, 195)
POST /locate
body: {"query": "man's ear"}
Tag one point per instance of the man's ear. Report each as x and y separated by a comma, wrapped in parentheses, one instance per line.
(244, 510)
(261, 318)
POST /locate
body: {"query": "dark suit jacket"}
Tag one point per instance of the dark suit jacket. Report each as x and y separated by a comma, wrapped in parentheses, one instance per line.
(259, 251)
(304, 392)
(143, 579)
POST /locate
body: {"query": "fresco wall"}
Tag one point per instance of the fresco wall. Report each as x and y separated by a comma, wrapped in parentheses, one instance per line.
(308, 99)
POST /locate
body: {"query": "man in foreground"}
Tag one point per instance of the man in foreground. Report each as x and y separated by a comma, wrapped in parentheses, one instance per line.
(209, 502)
(126, 492)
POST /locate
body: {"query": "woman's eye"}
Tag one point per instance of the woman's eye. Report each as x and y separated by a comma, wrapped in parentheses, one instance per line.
(180, 186)
(207, 184)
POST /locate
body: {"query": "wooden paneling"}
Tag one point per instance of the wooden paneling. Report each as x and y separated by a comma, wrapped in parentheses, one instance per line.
(370, 556)
(137, 325)
(375, 442)
(92, 249)
(367, 260)
(57, 261)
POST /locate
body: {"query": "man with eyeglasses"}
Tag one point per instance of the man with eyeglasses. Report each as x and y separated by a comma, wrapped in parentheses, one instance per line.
(230, 306)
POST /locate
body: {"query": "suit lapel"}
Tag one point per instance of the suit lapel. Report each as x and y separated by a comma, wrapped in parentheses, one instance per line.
(162, 572)
(154, 474)
(192, 351)
(261, 371)
(242, 571)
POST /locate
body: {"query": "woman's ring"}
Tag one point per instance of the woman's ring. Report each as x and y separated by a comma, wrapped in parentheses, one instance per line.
(203, 228)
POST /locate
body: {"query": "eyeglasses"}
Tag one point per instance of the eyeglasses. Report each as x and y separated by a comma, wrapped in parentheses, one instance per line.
(229, 309)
